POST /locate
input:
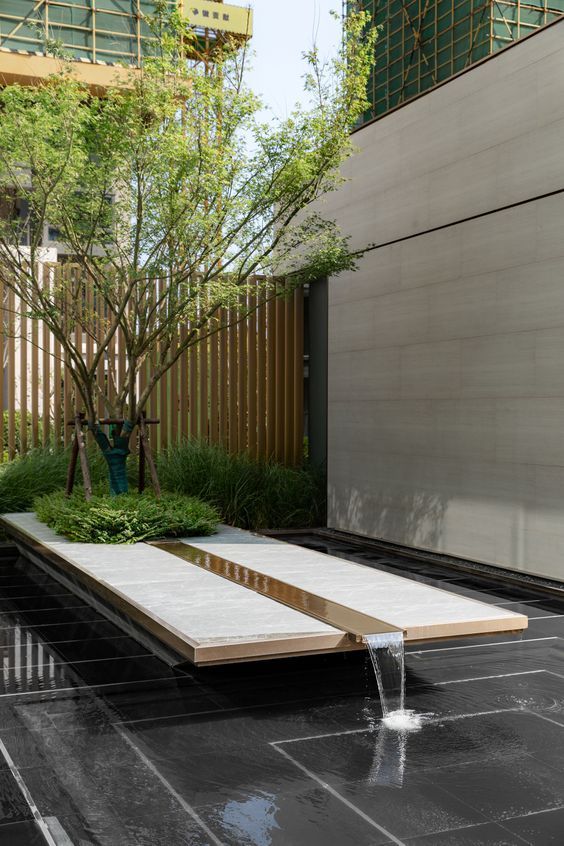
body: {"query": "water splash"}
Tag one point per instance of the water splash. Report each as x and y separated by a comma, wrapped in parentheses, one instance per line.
(405, 720)
(387, 655)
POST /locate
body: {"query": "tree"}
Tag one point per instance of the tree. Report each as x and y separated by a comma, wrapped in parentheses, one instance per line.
(169, 193)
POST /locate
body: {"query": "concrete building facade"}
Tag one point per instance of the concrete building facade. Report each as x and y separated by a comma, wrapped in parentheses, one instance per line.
(446, 347)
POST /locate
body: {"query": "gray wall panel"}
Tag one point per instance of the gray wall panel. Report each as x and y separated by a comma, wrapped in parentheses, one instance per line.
(446, 348)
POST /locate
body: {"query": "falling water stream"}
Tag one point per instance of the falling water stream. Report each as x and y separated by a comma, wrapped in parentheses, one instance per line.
(387, 655)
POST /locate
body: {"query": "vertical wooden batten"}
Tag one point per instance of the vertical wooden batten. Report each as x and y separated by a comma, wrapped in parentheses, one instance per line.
(241, 386)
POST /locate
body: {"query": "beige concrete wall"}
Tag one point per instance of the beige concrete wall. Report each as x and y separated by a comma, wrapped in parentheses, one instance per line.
(446, 349)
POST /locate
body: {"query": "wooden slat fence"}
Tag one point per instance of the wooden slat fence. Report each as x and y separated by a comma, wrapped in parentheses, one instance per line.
(242, 387)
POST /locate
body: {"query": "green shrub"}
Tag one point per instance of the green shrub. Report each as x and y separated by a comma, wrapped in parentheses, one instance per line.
(22, 479)
(127, 518)
(247, 493)
(44, 470)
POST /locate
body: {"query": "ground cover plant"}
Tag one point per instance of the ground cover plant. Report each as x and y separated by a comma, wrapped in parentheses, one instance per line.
(247, 493)
(128, 518)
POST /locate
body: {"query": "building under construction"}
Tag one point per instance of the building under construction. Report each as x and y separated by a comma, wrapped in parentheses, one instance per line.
(105, 37)
(424, 42)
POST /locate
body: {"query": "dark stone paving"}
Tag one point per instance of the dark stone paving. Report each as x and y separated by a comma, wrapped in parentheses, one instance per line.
(117, 749)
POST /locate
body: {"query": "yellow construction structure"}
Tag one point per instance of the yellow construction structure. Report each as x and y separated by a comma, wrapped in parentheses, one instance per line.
(106, 39)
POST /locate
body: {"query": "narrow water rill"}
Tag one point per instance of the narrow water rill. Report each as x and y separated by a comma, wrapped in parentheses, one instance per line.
(388, 659)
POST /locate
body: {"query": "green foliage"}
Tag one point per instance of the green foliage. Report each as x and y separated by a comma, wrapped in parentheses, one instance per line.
(21, 480)
(174, 183)
(18, 431)
(247, 493)
(42, 471)
(128, 518)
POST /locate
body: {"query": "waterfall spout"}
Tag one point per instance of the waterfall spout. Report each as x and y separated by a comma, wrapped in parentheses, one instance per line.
(387, 656)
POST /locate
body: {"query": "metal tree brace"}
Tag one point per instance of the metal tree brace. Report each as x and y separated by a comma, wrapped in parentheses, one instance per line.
(79, 451)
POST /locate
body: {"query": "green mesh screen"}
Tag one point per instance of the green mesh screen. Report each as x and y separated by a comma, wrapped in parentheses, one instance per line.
(98, 30)
(423, 42)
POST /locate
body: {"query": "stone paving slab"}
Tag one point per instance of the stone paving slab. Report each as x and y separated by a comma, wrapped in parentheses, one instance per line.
(209, 619)
(422, 612)
(201, 616)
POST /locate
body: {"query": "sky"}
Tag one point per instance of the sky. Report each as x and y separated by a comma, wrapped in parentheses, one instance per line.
(283, 30)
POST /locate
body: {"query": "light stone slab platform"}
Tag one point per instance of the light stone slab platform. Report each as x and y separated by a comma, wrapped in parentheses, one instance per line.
(198, 615)
(422, 612)
(211, 620)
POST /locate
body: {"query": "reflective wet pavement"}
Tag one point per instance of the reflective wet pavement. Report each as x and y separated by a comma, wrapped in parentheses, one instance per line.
(114, 748)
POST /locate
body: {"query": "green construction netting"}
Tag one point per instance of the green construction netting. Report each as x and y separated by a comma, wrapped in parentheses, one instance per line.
(105, 30)
(423, 43)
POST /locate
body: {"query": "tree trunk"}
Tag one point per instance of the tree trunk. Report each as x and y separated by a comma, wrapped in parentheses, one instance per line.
(117, 472)
(115, 455)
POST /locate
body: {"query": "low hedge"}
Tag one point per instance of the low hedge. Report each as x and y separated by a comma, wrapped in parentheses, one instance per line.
(127, 518)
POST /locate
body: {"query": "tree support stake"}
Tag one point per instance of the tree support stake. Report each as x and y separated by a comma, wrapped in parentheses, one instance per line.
(79, 451)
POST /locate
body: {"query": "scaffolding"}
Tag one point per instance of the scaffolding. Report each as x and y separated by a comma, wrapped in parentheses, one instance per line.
(423, 42)
(98, 33)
